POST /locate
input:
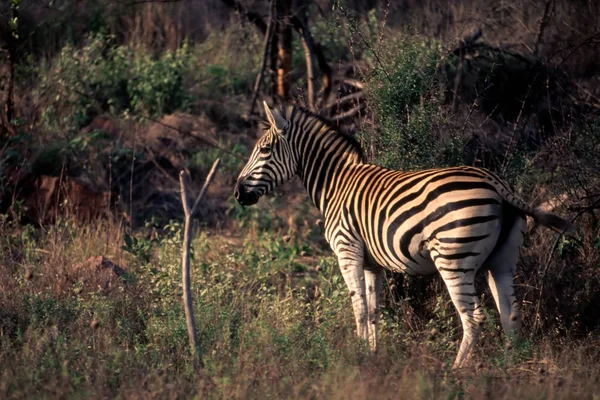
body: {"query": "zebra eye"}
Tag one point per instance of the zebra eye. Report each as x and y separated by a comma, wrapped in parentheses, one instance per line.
(265, 150)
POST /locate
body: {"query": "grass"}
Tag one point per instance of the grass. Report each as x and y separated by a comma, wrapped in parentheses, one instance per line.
(274, 321)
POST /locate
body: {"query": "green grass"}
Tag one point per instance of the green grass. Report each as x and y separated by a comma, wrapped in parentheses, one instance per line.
(270, 324)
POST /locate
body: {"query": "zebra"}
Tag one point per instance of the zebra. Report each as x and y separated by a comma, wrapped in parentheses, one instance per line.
(453, 221)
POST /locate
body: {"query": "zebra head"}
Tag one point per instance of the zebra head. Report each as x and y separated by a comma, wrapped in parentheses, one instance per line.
(271, 162)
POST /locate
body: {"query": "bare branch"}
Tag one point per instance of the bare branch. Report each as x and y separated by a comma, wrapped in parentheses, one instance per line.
(266, 48)
(309, 51)
(356, 29)
(251, 16)
(347, 114)
(353, 82)
(185, 259)
(346, 99)
(313, 50)
(548, 10)
(209, 178)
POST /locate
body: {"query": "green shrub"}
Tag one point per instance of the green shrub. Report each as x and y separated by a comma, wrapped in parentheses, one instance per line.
(403, 91)
(102, 77)
(157, 84)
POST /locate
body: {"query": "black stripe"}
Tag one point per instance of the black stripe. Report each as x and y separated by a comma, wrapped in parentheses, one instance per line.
(463, 222)
(460, 284)
(464, 270)
(434, 216)
(441, 175)
(468, 239)
(455, 256)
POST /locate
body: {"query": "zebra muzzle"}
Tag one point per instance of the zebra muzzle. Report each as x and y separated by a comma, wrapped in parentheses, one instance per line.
(243, 196)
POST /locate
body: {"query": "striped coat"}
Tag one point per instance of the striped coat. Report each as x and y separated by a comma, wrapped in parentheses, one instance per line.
(453, 221)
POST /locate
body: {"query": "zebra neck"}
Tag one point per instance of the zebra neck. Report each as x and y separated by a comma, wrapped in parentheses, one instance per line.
(322, 161)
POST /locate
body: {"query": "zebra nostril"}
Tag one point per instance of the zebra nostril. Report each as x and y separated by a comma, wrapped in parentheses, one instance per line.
(239, 189)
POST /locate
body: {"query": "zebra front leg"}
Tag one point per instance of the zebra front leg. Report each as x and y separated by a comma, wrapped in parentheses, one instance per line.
(373, 277)
(460, 282)
(354, 276)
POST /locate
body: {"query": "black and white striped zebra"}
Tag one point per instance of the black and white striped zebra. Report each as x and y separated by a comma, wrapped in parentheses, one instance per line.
(451, 220)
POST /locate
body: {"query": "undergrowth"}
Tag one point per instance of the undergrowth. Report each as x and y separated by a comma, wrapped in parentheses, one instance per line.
(274, 319)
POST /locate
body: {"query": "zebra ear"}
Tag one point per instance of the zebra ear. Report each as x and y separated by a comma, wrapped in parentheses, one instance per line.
(274, 118)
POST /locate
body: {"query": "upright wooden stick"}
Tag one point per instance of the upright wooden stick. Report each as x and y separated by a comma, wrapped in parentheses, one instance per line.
(185, 259)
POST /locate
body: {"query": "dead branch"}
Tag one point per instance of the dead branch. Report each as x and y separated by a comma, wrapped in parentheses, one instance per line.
(185, 258)
(356, 96)
(347, 114)
(251, 16)
(11, 41)
(266, 47)
(313, 50)
(326, 70)
(309, 51)
(357, 30)
(548, 10)
(353, 82)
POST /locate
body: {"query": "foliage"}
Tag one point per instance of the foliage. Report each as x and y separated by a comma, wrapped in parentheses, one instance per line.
(403, 93)
(103, 77)
(269, 323)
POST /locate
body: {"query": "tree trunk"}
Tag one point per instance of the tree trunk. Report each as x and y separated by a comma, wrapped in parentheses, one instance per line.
(284, 49)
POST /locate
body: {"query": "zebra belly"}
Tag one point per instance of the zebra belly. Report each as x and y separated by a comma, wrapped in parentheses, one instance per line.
(423, 265)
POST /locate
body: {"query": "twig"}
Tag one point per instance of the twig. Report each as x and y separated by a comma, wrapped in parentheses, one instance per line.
(383, 22)
(513, 138)
(13, 35)
(185, 259)
(474, 104)
(590, 39)
(357, 30)
(548, 10)
(263, 65)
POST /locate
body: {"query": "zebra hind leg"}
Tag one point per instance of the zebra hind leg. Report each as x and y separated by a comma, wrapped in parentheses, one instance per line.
(373, 276)
(459, 279)
(501, 265)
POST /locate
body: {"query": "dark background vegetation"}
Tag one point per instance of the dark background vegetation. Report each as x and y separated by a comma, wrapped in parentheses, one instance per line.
(104, 102)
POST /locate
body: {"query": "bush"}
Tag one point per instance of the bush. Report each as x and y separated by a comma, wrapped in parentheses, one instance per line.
(102, 77)
(402, 91)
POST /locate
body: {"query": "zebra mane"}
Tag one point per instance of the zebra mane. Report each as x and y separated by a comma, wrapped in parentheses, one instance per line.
(293, 112)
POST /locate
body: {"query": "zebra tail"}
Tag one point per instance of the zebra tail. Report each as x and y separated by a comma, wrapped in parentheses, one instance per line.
(541, 217)
(553, 221)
